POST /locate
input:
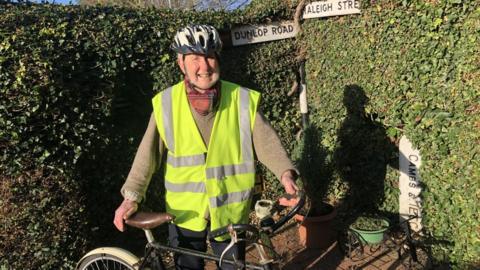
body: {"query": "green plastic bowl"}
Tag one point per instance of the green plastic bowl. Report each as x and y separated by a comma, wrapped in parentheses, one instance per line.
(371, 237)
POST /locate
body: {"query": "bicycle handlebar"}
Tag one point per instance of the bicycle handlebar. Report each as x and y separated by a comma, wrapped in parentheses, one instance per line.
(253, 229)
(232, 227)
(289, 215)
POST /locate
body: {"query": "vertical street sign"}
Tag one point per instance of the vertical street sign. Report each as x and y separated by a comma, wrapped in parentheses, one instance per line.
(410, 183)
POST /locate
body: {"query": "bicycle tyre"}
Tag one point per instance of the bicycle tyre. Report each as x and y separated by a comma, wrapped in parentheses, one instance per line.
(108, 258)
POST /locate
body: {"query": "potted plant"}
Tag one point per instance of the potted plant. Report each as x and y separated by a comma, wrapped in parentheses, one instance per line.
(370, 230)
(315, 221)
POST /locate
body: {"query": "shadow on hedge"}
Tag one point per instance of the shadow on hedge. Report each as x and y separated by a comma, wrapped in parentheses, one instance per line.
(362, 156)
(364, 151)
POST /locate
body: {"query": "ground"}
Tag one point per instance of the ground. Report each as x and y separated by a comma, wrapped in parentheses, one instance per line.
(296, 257)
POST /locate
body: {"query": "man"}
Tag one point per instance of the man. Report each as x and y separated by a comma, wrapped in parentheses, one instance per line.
(206, 131)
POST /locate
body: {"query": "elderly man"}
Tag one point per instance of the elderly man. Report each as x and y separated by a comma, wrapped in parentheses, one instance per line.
(207, 132)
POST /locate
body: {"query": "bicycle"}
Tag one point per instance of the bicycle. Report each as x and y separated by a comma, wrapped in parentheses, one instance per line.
(411, 254)
(258, 235)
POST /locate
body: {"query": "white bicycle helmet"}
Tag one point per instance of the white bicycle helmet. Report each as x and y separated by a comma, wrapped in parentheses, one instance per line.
(201, 39)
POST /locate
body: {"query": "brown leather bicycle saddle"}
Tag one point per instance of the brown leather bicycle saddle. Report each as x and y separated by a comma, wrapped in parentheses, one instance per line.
(148, 220)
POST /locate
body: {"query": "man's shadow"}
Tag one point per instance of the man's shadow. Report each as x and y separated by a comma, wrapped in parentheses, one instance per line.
(364, 151)
(361, 159)
(362, 156)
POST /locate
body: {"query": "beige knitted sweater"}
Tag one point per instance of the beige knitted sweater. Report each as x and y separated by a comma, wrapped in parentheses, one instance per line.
(267, 146)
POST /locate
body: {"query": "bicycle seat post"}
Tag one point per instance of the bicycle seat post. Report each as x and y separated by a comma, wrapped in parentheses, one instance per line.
(149, 235)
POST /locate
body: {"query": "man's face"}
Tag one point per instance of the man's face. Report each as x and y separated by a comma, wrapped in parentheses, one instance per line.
(202, 71)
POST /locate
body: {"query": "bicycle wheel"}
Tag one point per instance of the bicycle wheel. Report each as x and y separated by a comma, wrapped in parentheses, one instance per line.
(108, 258)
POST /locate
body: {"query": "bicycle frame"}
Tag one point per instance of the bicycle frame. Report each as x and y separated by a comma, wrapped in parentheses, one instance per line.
(263, 245)
(152, 257)
(118, 258)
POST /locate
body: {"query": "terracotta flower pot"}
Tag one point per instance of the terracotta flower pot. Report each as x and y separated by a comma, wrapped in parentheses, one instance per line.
(316, 231)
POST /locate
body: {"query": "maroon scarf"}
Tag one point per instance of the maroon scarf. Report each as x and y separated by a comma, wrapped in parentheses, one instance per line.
(203, 103)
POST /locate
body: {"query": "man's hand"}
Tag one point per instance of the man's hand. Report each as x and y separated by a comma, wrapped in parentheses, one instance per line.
(288, 181)
(124, 211)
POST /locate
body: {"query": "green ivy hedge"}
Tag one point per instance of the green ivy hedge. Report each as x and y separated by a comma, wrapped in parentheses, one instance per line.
(403, 68)
(76, 85)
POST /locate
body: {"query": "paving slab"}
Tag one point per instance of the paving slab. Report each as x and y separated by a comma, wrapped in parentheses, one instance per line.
(296, 257)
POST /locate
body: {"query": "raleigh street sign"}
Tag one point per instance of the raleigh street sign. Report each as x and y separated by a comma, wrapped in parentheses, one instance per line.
(261, 33)
(331, 8)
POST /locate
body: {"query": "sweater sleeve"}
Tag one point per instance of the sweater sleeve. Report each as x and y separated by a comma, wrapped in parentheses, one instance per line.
(147, 161)
(268, 147)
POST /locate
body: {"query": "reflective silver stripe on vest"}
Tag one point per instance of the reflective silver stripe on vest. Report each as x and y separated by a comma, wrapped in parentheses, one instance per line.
(186, 161)
(195, 187)
(221, 172)
(245, 127)
(233, 197)
(168, 118)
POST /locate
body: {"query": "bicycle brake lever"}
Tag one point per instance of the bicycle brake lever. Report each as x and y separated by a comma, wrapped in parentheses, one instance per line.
(233, 241)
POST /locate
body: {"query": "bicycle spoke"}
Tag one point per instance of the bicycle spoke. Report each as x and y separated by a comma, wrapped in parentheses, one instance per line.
(103, 263)
(106, 262)
(96, 264)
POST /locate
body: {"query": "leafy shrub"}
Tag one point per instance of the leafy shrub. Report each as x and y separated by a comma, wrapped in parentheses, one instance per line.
(74, 103)
(411, 67)
(75, 98)
(369, 224)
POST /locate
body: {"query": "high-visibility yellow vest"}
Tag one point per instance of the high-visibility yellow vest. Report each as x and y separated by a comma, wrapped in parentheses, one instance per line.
(219, 177)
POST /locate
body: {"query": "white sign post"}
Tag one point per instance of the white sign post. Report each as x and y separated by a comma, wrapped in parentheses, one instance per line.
(331, 8)
(260, 33)
(409, 184)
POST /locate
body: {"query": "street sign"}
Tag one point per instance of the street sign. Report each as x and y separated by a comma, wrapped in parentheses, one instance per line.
(410, 183)
(260, 33)
(331, 8)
